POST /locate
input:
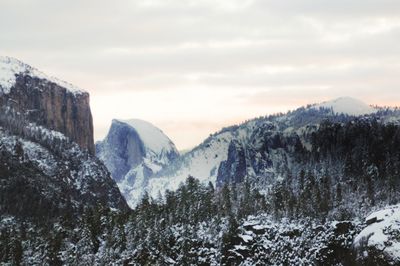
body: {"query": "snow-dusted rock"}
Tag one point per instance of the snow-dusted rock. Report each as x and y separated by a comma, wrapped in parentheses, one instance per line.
(45, 176)
(10, 68)
(47, 170)
(381, 234)
(134, 150)
(254, 150)
(29, 96)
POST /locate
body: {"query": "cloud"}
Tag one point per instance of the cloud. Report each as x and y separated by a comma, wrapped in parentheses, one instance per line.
(172, 59)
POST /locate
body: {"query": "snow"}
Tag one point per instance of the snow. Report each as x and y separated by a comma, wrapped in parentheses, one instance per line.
(133, 192)
(382, 234)
(202, 163)
(10, 67)
(246, 238)
(347, 105)
(152, 137)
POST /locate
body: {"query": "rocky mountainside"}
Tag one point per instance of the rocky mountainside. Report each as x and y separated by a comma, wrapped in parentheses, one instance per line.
(133, 151)
(286, 189)
(253, 150)
(29, 96)
(46, 146)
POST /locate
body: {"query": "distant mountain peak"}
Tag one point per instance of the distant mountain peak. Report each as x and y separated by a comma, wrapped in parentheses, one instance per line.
(134, 150)
(347, 105)
(11, 67)
(152, 137)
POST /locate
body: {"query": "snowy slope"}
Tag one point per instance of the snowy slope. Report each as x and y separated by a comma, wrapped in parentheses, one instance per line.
(204, 161)
(382, 233)
(347, 105)
(11, 67)
(57, 169)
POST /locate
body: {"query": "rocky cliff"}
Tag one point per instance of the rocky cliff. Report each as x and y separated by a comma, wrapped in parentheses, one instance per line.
(29, 96)
(47, 167)
(233, 170)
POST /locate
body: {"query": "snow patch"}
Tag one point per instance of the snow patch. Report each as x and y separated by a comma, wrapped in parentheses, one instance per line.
(382, 232)
(11, 67)
(152, 137)
(347, 105)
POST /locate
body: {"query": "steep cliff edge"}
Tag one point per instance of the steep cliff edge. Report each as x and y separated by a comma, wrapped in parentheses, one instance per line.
(48, 171)
(29, 96)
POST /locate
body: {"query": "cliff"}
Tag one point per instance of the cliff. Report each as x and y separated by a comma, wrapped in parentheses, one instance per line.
(47, 168)
(29, 96)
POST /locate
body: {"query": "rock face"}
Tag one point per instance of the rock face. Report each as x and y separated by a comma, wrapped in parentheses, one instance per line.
(259, 149)
(121, 150)
(233, 170)
(133, 151)
(47, 170)
(33, 97)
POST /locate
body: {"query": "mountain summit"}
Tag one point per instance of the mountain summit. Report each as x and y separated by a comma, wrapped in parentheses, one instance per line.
(11, 68)
(133, 151)
(348, 106)
(252, 150)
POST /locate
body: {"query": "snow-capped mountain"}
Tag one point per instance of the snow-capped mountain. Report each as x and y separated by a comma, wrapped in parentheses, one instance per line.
(11, 68)
(252, 150)
(46, 144)
(348, 106)
(291, 188)
(29, 96)
(134, 150)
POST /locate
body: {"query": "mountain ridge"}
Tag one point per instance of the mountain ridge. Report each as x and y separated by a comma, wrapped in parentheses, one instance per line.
(204, 160)
(285, 189)
(347, 105)
(11, 67)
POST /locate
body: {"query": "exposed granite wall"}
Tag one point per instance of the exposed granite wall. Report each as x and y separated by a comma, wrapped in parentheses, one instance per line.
(52, 106)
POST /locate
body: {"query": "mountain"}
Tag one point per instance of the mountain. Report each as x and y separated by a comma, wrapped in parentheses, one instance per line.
(285, 189)
(47, 167)
(134, 150)
(258, 148)
(29, 96)
(347, 105)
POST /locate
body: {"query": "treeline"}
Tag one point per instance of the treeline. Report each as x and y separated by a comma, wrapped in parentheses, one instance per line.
(350, 168)
(152, 223)
(195, 223)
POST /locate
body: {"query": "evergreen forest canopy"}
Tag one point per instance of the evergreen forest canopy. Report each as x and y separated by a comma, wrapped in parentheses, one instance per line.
(349, 169)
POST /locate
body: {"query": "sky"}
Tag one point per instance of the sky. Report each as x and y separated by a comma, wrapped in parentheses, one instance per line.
(191, 67)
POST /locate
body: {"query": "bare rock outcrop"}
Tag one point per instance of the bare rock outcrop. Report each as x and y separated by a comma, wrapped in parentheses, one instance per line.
(29, 96)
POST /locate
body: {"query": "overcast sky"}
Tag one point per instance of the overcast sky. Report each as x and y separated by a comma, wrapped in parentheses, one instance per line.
(193, 66)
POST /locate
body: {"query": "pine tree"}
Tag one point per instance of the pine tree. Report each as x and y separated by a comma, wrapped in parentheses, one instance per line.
(338, 197)
(16, 250)
(326, 197)
(226, 204)
(229, 239)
